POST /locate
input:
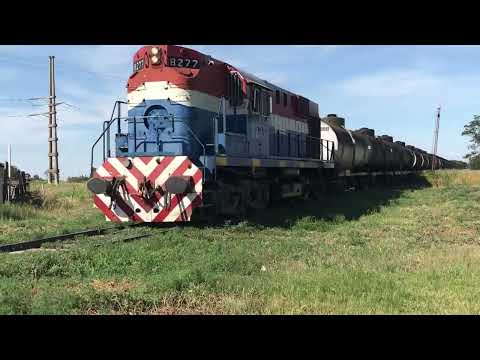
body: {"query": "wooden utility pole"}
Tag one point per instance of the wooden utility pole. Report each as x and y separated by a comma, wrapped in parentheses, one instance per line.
(435, 139)
(53, 173)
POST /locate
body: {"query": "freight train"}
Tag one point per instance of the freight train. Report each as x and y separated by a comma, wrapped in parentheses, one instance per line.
(204, 137)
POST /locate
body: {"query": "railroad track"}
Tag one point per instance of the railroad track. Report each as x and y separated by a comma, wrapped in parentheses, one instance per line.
(37, 243)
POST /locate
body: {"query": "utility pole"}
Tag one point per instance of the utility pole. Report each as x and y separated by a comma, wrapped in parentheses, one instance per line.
(9, 161)
(53, 173)
(435, 138)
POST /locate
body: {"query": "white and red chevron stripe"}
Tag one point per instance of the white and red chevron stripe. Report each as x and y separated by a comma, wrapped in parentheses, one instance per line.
(131, 206)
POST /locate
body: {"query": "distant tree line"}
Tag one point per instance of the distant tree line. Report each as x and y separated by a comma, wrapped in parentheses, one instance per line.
(75, 179)
(71, 179)
(472, 130)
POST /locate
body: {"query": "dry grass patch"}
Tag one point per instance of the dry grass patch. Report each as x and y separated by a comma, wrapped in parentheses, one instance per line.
(467, 255)
(442, 178)
(113, 285)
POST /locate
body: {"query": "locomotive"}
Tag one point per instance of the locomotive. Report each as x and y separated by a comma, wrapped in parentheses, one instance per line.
(203, 137)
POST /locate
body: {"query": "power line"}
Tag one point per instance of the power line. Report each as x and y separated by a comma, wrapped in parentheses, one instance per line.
(38, 114)
(70, 105)
(26, 99)
(28, 115)
(44, 113)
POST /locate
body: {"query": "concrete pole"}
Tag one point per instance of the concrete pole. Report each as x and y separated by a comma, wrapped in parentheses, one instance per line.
(53, 173)
(50, 124)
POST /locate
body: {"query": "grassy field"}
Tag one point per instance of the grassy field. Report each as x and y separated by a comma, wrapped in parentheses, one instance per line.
(377, 251)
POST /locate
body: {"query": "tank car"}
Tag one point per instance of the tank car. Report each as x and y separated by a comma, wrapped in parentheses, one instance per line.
(360, 151)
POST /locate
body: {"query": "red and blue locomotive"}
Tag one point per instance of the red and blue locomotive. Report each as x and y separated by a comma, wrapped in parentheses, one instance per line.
(203, 136)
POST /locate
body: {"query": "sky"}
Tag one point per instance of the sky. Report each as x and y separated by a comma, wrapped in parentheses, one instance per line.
(392, 89)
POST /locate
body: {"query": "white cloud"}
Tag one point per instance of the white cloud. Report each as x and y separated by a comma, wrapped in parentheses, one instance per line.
(106, 60)
(392, 83)
(23, 130)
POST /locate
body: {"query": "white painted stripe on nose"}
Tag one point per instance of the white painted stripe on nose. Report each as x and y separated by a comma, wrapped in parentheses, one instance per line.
(102, 172)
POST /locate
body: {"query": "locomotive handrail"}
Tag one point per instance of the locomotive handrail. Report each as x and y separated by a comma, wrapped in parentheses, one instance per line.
(329, 150)
(108, 124)
(312, 144)
(102, 135)
(327, 145)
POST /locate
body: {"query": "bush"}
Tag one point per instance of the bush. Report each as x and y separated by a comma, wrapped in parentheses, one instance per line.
(77, 179)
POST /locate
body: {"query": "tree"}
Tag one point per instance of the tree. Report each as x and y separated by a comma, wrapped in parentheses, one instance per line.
(475, 162)
(472, 130)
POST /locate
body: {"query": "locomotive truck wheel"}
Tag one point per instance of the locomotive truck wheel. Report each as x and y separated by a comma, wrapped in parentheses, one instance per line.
(362, 183)
(318, 189)
(307, 190)
(230, 200)
(257, 194)
(307, 193)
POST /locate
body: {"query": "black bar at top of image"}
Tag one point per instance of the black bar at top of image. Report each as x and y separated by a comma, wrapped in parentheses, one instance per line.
(229, 23)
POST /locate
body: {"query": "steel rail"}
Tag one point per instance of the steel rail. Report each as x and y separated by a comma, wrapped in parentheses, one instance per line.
(37, 243)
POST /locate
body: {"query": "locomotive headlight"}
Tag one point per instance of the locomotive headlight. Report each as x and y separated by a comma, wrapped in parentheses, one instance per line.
(155, 59)
(154, 51)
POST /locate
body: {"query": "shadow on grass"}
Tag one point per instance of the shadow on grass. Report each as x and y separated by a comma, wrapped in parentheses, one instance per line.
(348, 206)
(345, 205)
(333, 206)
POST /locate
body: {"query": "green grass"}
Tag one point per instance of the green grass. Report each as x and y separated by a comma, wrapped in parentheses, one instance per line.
(49, 210)
(383, 250)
